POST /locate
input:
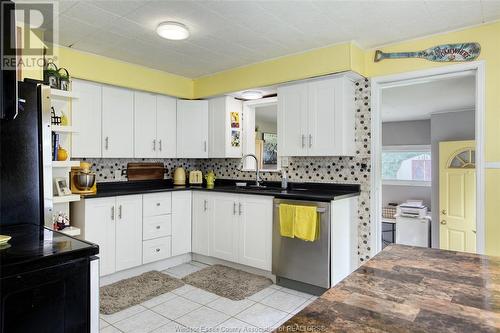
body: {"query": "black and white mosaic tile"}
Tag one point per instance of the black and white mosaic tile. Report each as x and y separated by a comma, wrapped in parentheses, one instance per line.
(348, 170)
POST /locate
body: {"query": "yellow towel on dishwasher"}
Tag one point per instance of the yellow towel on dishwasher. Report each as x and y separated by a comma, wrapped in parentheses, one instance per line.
(287, 220)
(306, 226)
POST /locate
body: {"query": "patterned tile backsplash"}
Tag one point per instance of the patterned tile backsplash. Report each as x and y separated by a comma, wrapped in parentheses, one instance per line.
(349, 170)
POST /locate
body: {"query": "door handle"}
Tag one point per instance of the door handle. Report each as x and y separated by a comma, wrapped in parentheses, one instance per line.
(310, 140)
(106, 143)
(234, 208)
(240, 208)
(303, 140)
(154, 145)
(113, 213)
(443, 222)
(120, 212)
(159, 143)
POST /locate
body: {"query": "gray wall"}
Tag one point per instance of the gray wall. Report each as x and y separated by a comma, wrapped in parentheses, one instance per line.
(415, 132)
(401, 133)
(452, 126)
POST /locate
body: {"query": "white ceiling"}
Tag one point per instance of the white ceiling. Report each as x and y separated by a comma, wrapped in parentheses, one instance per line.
(419, 101)
(228, 34)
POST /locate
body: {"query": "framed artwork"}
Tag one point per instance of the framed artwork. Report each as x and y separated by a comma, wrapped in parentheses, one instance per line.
(235, 138)
(61, 187)
(270, 148)
(235, 120)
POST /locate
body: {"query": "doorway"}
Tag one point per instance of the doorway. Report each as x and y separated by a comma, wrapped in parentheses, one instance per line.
(414, 159)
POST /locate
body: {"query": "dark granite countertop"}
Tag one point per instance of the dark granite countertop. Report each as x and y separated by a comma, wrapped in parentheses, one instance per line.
(298, 191)
(410, 289)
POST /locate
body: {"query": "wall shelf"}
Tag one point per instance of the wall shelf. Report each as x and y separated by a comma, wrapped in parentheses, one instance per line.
(57, 93)
(65, 164)
(62, 129)
(66, 198)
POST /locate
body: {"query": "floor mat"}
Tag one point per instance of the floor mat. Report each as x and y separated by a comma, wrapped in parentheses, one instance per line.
(125, 293)
(227, 282)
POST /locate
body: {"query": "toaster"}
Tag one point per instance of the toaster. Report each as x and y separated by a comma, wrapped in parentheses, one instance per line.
(195, 177)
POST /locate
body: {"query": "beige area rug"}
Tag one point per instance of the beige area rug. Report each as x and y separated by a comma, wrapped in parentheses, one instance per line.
(227, 282)
(125, 293)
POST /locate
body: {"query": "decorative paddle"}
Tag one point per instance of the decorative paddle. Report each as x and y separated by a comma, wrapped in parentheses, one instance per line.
(439, 53)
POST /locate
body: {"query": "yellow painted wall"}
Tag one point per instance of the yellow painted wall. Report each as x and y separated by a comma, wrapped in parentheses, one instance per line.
(106, 70)
(332, 59)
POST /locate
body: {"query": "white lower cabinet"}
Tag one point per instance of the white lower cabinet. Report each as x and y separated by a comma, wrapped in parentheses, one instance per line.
(115, 224)
(181, 222)
(156, 249)
(239, 227)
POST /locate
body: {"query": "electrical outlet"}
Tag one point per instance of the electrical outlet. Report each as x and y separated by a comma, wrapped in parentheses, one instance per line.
(284, 161)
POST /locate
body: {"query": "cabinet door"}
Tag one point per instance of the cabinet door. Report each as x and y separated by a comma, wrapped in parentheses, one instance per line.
(86, 119)
(224, 227)
(192, 129)
(145, 145)
(292, 120)
(201, 209)
(128, 231)
(181, 222)
(166, 126)
(100, 229)
(255, 231)
(117, 122)
(324, 103)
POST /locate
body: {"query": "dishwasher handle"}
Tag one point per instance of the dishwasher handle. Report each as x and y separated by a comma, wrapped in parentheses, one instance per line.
(319, 210)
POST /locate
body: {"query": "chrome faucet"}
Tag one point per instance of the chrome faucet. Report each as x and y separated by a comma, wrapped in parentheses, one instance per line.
(257, 172)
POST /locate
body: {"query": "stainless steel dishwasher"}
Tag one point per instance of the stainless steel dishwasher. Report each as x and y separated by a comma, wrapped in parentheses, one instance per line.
(299, 264)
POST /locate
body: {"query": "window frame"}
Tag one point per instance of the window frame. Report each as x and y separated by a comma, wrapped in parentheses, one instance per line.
(406, 148)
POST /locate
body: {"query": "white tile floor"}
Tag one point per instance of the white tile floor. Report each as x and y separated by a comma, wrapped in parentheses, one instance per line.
(188, 309)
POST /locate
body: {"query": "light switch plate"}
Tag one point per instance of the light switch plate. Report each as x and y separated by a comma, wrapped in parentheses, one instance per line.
(284, 161)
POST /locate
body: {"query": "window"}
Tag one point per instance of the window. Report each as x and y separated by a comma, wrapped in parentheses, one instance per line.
(406, 165)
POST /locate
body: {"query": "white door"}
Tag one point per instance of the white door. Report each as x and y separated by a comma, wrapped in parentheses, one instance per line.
(202, 212)
(323, 101)
(145, 145)
(192, 129)
(181, 222)
(292, 123)
(100, 229)
(117, 122)
(224, 227)
(86, 119)
(166, 126)
(128, 231)
(255, 231)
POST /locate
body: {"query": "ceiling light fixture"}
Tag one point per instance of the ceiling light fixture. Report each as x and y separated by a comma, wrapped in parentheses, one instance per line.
(251, 94)
(172, 30)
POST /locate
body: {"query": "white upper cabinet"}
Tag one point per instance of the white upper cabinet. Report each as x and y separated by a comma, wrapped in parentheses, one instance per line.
(145, 144)
(225, 127)
(117, 122)
(86, 119)
(166, 126)
(317, 118)
(192, 129)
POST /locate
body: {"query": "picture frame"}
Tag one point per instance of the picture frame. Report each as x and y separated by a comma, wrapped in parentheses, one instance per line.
(61, 187)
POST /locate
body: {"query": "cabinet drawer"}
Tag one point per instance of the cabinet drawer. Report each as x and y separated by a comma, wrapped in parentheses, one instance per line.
(156, 226)
(156, 249)
(157, 204)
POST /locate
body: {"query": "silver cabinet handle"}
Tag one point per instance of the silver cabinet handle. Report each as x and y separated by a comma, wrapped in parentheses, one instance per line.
(303, 140)
(159, 143)
(158, 204)
(205, 205)
(310, 140)
(205, 146)
(234, 208)
(120, 212)
(106, 143)
(154, 145)
(112, 212)
(240, 208)
(158, 227)
(157, 250)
